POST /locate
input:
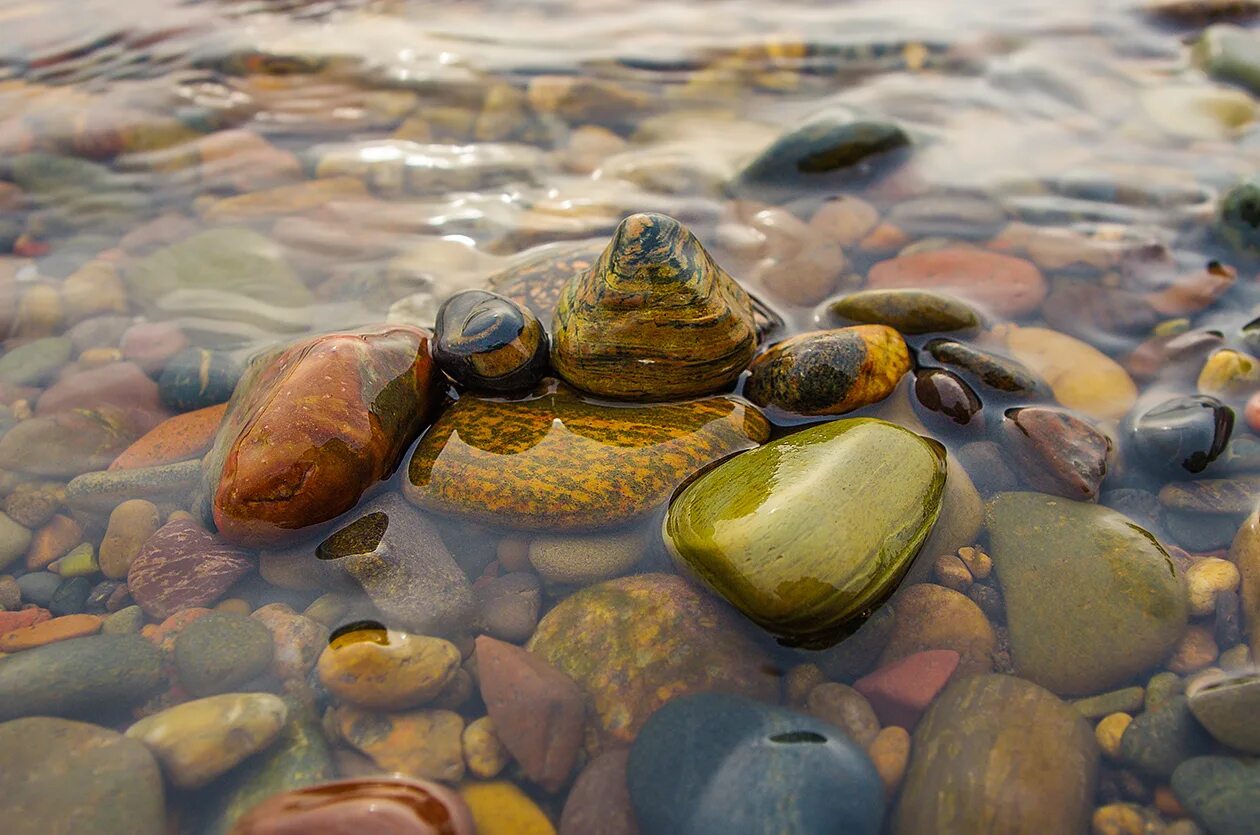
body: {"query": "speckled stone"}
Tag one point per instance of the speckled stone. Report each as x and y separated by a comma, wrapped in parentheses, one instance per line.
(220, 652)
(556, 462)
(907, 311)
(183, 566)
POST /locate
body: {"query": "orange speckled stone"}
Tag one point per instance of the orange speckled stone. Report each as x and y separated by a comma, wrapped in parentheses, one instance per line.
(314, 426)
(634, 643)
(49, 631)
(174, 439)
(52, 541)
(559, 462)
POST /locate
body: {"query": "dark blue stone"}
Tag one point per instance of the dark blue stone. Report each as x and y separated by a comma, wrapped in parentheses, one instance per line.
(197, 378)
(1182, 434)
(716, 764)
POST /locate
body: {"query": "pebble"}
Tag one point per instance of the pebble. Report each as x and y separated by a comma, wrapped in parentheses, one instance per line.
(799, 681)
(387, 670)
(986, 369)
(944, 393)
(890, 754)
(1195, 650)
(183, 566)
(126, 621)
(418, 743)
(14, 541)
(716, 763)
(38, 587)
(35, 363)
(1004, 285)
(196, 379)
(584, 559)
(1157, 741)
(484, 752)
(33, 506)
(488, 342)
(1055, 451)
(53, 540)
(1109, 731)
(59, 776)
(122, 385)
(130, 526)
(1118, 819)
(539, 713)
(70, 597)
(220, 652)
(10, 593)
(49, 631)
(197, 741)
(1082, 377)
(996, 753)
(931, 617)
(865, 492)
(175, 439)
(377, 804)
(846, 708)
(1229, 374)
(1126, 700)
(1184, 434)
(599, 801)
(907, 311)
(1206, 579)
(79, 561)
(150, 344)
(508, 606)
(92, 496)
(79, 676)
(1220, 792)
(901, 691)
(500, 808)
(657, 638)
(298, 640)
(844, 219)
(1225, 704)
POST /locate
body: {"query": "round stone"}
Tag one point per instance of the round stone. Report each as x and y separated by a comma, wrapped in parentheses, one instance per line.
(1182, 434)
(387, 669)
(220, 652)
(488, 342)
(1226, 705)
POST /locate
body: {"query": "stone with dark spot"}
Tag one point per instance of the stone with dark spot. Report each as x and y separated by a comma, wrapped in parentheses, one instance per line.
(1184, 434)
(945, 394)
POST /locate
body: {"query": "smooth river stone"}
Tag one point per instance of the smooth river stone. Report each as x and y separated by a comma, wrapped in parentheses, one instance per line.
(634, 643)
(908, 311)
(313, 427)
(376, 805)
(713, 764)
(72, 441)
(557, 462)
(1222, 793)
(1091, 598)
(59, 776)
(995, 753)
(1244, 552)
(82, 676)
(199, 740)
(1006, 285)
(655, 318)
(183, 566)
(813, 530)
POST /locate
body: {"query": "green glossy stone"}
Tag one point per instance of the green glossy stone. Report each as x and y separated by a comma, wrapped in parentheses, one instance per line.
(908, 311)
(812, 531)
(1091, 598)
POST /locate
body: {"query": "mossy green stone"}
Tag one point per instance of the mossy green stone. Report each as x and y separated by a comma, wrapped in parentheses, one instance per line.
(82, 676)
(812, 531)
(909, 311)
(1091, 598)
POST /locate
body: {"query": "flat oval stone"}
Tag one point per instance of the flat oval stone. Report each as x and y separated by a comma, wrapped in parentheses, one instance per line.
(1071, 572)
(1081, 377)
(387, 669)
(829, 372)
(1005, 285)
(948, 395)
(995, 753)
(989, 370)
(62, 776)
(558, 462)
(183, 566)
(655, 318)
(1182, 434)
(634, 643)
(197, 379)
(81, 676)
(379, 805)
(488, 342)
(813, 530)
(314, 426)
(907, 311)
(713, 764)
(1220, 792)
(199, 740)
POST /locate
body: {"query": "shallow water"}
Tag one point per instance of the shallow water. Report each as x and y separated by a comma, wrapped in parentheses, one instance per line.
(372, 158)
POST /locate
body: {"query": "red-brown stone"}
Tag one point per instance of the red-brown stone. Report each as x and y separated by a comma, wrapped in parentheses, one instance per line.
(1006, 285)
(121, 384)
(1056, 452)
(361, 806)
(599, 801)
(900, 692)
(539, 713)
(183, 566)
(314, 426)
(28, 616)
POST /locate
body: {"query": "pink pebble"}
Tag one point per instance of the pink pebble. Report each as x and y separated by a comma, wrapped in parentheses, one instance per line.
(1251, 412)
(900, 692)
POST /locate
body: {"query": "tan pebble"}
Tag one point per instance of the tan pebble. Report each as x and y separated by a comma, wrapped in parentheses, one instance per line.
(580, 559)
(890, 752)
(1167, 804)
(844, 220)
(1206, 579)
(180, 516)
(288, 569)
(327, 609)
(801, 679)
(513, 554)
(92, 290)
(845, 708)
(1117, 819)
(1235, 658)
(483, 751)
(884, 238)
(387, 669)
(1109, 730)
(804, 277)
(39, 312)
(233, 605)
(97, 357)
(978, 562)
(21, 409)
(1196, 650)
(130, 524)
(951, 573)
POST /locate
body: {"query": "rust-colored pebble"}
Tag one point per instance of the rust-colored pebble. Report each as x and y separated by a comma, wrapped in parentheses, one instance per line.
(52, 541)
(50, 631)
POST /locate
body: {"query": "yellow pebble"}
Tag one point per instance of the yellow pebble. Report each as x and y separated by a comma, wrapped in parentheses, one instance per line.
(1229, 373)
(483, 751)
(1117, 819)
(1109, 731)
(890, 752)
(233, 605)
(978, 562)
(952, 573)
(501, 808)
(1207, 578)
(1236, 658)
(97, 357)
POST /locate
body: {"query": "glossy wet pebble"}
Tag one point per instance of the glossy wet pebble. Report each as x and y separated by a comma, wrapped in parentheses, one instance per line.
(739, 527)
(1071, 571)
(80, 676)
(220, 652)
(417, 743)
(634, 643)
(829, 372)
(62, 776)
(489, 343)
(987, 370)
(996, 753)
(1055, 451)
(380, 805)
(387, 669)
(1184, 434)
(197, 378)
(182, 565)
(907, 311)
(198, 740)
(944, 393)
(714, 763)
